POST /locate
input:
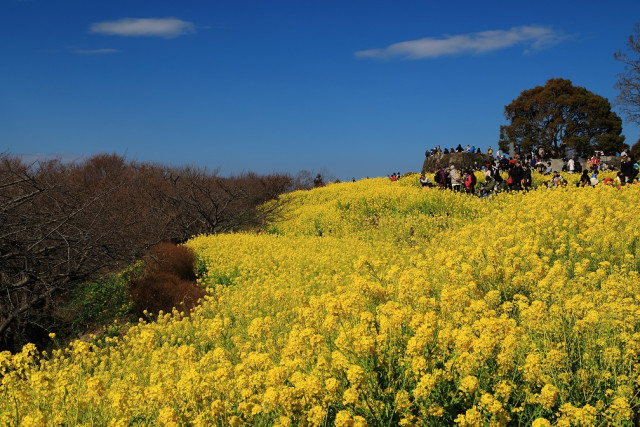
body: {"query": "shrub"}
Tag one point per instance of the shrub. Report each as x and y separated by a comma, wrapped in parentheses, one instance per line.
(168, 280)
(169, 258)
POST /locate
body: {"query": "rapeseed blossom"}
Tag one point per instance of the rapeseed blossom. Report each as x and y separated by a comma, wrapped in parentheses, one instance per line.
(373, 303)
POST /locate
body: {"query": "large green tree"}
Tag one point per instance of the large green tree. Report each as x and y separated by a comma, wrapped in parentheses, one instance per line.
(560, 115)
(629, 81)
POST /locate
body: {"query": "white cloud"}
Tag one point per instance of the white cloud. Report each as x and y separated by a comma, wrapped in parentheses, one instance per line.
(150, 27)
(95, 51)
(535, 37)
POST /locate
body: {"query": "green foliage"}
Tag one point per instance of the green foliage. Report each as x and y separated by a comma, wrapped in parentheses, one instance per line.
(201, 267)
(95, 304)
(559, 115)
(224, 279)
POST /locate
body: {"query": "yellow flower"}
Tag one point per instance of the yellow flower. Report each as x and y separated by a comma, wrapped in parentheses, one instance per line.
(343, 419)
(382, 297)
(316, 416)
(620, 411)
(167, 417)
(350, 396)
(471, 418)
(540, 422)
(469, 384)
(355, 375)
(548, 396)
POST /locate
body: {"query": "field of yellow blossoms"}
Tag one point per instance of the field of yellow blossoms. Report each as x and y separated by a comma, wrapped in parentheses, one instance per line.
(378, 303)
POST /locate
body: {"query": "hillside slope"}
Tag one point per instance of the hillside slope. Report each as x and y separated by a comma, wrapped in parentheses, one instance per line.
(376, 303)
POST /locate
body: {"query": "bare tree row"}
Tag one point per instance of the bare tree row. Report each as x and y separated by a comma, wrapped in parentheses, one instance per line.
(62, 224)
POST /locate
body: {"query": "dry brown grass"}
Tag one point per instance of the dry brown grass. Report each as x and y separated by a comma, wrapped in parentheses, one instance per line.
(168, 281)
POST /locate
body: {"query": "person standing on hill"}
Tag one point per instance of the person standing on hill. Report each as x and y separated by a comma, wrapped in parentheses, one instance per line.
(526, 177)
(578, 166)
(516, 174)
(454, 175)
(571, 165)
(541, 152)
(441, 177)
(626, 167)
(469, 181)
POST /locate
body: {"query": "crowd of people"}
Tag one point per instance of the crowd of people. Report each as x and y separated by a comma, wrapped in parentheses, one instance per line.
(436, 151)
(519, 178)
(518, 172)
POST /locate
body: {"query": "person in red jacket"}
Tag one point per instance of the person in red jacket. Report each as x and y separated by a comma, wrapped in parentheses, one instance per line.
(469, 181)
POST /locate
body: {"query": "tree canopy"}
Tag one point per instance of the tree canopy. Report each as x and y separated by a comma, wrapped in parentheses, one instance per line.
(629, 81)
(558, 116)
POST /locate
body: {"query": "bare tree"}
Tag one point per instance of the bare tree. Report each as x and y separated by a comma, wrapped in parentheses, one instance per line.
(629, 81)
(61, 225)
(200, 202)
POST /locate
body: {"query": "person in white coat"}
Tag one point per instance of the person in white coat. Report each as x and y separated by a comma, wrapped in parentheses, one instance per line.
(456, 178)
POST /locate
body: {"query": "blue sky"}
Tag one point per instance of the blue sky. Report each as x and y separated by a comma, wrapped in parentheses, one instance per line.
(355, 88)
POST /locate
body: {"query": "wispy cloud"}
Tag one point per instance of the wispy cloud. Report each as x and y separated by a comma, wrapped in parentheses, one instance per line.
(534, 38)
(95, 51)
(147, 27)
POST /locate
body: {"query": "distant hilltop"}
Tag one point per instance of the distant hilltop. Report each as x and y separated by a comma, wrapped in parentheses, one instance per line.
(459, 160)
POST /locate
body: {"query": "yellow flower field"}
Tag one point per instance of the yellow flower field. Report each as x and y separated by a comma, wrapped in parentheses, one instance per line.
(378, 303)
